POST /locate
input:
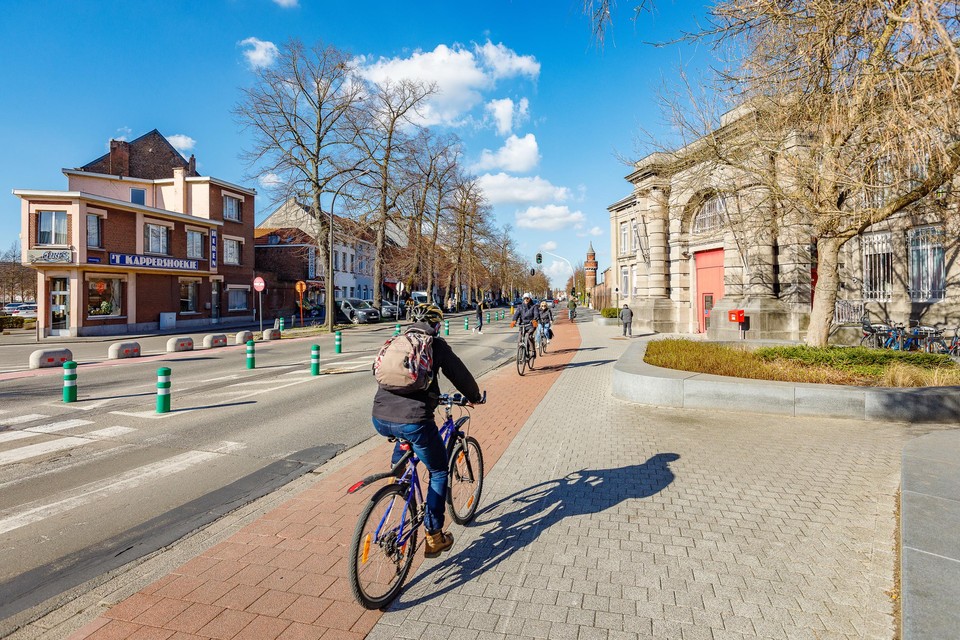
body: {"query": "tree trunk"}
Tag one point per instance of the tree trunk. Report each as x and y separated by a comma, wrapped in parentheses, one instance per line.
(825, 294)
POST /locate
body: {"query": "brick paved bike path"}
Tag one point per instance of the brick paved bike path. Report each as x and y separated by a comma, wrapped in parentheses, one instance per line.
(285, 575)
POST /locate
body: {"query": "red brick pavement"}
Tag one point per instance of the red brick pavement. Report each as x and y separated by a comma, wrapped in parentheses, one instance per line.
(285, 575)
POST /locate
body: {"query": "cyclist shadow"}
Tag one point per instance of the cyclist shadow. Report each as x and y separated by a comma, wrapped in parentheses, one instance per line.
(517, 521)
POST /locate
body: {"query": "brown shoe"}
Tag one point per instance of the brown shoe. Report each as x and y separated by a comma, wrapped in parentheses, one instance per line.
(437, 543)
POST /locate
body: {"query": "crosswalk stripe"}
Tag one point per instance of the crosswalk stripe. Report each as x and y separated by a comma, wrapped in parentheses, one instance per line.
(88, 493)
(10, 436)
(30, 417)
(43, 448)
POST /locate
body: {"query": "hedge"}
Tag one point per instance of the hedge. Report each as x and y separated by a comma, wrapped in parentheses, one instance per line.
(610, 312)
(11, 322)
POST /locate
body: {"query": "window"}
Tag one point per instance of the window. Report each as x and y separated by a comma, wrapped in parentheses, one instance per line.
(236, 300)
(336, 261)
(623, 238)
(194, 244)
(927, 267)
(711, 215)
(231, 208)
(103, 298)
(877, 266)
(155, 238)
(188, 296)
(633, 235)
(624, 282)
(231, 251)
(351, 263)
(94, 238)
(138, 196)
(633, 280)
(351, 292)
(52, 228)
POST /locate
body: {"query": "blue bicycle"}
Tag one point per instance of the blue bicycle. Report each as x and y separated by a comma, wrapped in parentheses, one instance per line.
(385, 540)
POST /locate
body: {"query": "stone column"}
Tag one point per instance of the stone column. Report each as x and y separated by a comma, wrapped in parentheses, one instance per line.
(658, 279)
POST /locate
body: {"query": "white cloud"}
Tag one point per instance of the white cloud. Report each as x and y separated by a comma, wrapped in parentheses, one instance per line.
(551, 217)
(596, 231)
(460, 76)
(508, 114)
(269, 180)
(182, 143)
(287, 4)
(558, 272)
(260, 53)
(500, 188)
(516, 154)
(549, 245)
(505, 63)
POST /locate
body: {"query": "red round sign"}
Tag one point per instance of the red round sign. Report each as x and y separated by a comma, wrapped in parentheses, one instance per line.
(258, 283)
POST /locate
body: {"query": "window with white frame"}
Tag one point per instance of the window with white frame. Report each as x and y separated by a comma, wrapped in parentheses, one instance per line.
(94, 231)
(103, 297)
(926, 264)
(877, 266)
(52, 228)
(155, 239)
(189, 293)
(624, 281)
(633, 235)
(635, 289)
(231, 251)
(231, 208)
(194, 244)
(711, 215)
(624, 231)
(237, 300)
(138, 196)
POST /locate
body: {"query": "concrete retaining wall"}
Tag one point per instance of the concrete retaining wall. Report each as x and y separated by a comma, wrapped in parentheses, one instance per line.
(636, 381)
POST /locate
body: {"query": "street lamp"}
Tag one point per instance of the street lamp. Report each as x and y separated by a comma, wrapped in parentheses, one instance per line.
(331, 313)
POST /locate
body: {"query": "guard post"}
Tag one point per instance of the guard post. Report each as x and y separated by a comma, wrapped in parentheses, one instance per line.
(446, 327)
(70, 381)
(466, 324)
(338, 342)
(251, 355)
(281, 323)
(163, 390)
(315, 360)
(396, 329)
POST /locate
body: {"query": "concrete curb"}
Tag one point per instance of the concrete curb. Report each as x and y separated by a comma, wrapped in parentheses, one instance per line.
(636, 381)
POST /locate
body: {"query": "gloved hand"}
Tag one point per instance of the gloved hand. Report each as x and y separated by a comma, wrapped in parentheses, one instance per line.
(513, 324)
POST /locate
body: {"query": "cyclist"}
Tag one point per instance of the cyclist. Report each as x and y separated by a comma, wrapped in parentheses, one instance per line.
(544, 320)
(572, 308)
(525, 314)
(411, 417)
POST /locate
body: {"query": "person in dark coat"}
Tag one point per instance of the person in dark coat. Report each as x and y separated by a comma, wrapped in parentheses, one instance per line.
(626, 317)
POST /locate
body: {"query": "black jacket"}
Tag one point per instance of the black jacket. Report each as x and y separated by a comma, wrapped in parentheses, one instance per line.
(525, 313)
(420, 406)
(545, 316)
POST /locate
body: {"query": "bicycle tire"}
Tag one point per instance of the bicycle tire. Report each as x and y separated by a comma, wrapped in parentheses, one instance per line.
(521, 359)
(362, 577)
(465, 481)
(531, 357)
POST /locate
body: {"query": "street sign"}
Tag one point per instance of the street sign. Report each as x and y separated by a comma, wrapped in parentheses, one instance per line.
(399, 287)
(301, 286)
(258, 284)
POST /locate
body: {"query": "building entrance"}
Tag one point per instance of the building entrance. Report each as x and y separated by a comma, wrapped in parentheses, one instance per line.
(59, 307)
(709, 266)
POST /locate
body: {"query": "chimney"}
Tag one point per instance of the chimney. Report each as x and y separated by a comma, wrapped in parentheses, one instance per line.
(179, 189)
(192, 166)
(119, 158)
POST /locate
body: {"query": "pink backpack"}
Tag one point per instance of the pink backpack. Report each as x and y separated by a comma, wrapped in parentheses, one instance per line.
(405, 362)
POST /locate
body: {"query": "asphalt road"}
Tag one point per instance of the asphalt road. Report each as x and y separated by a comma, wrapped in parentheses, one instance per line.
(88, 487)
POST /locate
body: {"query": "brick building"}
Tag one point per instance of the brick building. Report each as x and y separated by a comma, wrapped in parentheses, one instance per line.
(139, 241)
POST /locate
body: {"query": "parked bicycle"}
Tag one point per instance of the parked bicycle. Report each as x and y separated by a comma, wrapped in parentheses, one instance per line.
(526, 348)
(385, 540)
(896, 336)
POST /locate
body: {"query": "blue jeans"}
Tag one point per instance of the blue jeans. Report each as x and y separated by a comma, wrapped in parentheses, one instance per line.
(542, 331)
(428, 445)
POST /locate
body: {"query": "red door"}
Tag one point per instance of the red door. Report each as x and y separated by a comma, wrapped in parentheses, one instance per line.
(709, 265)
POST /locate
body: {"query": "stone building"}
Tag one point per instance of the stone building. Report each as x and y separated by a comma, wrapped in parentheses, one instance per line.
(688, 245)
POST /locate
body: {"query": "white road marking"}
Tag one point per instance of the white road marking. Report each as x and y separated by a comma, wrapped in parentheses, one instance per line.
(30, 417)
(43, 448)
(85, 494)
(94, 404)
(253, 383)
(10, 436)
(109, 432)
(230, 377)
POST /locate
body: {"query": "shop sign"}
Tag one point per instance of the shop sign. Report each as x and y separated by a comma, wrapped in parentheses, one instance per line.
(93, 259)
(153, 262)
(214, 248)
(50, 255)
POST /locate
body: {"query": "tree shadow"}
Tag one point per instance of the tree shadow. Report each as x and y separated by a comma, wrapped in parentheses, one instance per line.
(513, 523)
(572, 365)
(574, 350)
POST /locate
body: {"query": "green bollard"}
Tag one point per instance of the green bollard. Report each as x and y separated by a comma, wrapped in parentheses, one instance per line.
(488, 317)
(281, 323)
(70, 381)
(163, 390)
(338, 342)
(251, 355)
(396, 329)
(315, 360)
(446, 327)
(466, 324)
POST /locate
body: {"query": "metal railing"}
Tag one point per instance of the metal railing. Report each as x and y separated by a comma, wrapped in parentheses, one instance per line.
(847, 312)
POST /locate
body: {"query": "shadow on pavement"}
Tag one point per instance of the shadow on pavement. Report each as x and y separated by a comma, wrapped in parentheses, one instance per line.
(213, 406)
(560, 367)
(573, 350)
(516, 521)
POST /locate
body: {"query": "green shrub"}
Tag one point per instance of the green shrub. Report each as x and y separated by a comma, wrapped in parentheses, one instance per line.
(11, 322)
(610, 312)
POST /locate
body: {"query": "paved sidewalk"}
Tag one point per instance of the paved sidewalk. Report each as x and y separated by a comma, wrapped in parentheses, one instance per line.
(285, 575)
(614, 521)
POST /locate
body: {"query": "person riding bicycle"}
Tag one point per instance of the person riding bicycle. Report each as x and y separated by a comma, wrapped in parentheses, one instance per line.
(572, 308)
(525, 314)
(544, 320)
(411, 417)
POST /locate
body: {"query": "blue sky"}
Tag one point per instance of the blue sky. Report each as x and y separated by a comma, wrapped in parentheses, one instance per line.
(541, 109)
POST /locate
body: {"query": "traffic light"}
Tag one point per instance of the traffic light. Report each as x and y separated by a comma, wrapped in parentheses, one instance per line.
(573, 292)
(532, 271)
(539, 259)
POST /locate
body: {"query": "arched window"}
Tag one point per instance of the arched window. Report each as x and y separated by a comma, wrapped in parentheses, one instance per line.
(711, 215)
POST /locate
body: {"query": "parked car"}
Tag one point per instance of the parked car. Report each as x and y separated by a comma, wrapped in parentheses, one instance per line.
(359, 311)
(389, 309)
(25, 311)
(10, 307)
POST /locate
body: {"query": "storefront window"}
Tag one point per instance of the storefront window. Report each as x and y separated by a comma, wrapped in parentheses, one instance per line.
(188, 296)
(237, 300)
(103, 297)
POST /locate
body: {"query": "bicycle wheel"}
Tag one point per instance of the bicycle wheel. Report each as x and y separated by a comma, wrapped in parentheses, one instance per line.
(531, 357)
(521, 359)
(379, 560)
(465, 482)
(869, 340)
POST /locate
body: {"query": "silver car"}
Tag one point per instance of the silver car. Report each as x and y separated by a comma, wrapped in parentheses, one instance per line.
(359, 311)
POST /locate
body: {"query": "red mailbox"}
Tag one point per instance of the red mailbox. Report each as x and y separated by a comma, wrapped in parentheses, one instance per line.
(735, 315)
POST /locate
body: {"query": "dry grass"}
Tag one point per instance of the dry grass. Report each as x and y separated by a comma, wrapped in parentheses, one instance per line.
(833, 365)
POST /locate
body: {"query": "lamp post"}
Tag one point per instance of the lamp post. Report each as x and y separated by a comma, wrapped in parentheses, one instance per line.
(331, 313)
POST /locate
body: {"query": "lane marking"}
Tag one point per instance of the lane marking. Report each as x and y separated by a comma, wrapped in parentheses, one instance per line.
(109, 432)
(35, 450)
(30, 417)
(90, 492)
(10, 436)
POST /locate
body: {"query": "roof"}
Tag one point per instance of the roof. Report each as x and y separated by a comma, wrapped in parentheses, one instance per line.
(151, 156)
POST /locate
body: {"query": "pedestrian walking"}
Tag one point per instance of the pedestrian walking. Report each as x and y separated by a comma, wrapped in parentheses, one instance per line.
(480, 317)
(626, 317)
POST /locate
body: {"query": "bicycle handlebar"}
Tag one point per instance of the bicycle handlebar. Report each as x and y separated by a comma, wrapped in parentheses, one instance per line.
(451, 399)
